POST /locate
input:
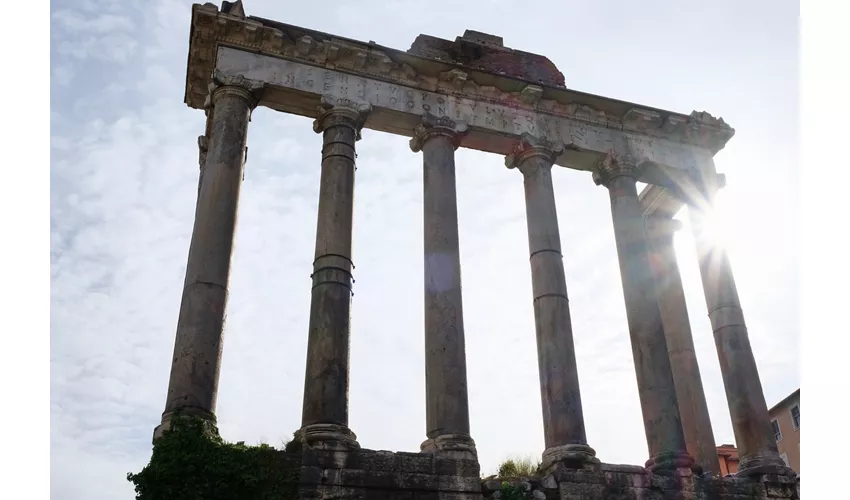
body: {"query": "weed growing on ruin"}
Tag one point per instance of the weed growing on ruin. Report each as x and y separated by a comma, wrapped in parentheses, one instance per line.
(513, 468)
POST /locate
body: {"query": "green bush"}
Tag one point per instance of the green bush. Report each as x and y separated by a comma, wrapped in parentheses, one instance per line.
(517, 467)
(191, 462)
(514, 492)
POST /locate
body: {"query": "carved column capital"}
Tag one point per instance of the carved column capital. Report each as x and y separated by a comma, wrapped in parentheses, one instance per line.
(615, 165)
(433, 126)
(223, 84)
(529, 147)
(340, 111)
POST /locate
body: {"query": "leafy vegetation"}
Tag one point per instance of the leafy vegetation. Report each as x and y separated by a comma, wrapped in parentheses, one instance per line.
(518, 467)
(192, 462)
(514, 492)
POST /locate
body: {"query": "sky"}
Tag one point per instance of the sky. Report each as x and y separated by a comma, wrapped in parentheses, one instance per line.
(123, 184)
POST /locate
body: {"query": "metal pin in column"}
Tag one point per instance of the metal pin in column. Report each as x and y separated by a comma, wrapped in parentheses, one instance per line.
(325, 409)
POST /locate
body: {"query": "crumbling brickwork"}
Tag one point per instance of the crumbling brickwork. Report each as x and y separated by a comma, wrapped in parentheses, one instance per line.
(485, 52)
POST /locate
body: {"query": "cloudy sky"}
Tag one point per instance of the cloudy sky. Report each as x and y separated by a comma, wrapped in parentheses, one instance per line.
(123, 187)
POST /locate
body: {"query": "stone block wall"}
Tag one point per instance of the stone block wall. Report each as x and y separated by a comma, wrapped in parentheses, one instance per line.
(384, 475)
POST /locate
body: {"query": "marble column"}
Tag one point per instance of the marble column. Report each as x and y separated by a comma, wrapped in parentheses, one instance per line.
(750, 418)
(447, 406)
(193, 384)
(657, 392)
(563, 420)
(693, 410)
(324, 421)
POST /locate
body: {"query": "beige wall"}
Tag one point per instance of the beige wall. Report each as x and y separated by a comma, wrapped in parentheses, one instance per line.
(790, 442)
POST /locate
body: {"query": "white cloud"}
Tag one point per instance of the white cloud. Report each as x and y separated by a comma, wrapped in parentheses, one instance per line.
(123, 187)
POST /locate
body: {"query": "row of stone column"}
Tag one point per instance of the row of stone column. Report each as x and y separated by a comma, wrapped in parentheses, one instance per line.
(671, 394)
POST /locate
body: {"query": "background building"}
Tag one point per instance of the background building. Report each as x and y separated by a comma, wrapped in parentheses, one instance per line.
(785, 419)
(728, 456)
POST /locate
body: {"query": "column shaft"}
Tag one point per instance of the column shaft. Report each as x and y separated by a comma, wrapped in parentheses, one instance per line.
(447, 406)
(563, 419)
(325, 409)
(657, 392)
(193, 384)
(693, 409)
(750, 419)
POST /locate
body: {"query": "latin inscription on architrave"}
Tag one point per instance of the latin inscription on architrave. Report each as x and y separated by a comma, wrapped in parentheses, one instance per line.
(483, 116)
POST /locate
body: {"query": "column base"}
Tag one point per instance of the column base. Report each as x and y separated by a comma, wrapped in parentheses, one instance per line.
(572, 456)
(168, 416)
(764, 463)
(671, 463)
(329, 437)
(459, 446)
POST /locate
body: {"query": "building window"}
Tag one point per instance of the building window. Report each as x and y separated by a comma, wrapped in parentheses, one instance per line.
(795, 416)
(777, 433)
(784, 457)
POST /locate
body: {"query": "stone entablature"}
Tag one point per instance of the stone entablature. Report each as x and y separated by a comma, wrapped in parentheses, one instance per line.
(500, 105)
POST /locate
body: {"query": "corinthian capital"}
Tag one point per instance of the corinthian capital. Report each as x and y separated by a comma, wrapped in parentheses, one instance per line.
(223, 84)
(433, 126)
(529, 147)
(615, 165)
(334, 111)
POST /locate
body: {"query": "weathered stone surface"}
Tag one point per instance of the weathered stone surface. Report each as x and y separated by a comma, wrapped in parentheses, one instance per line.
(563, 420)
(657, 392)
(325, 409)
(195, 367)
(693, 409)
(488, 53)
(447, 404)
(747, 407)
(494, 126)
(476, 65)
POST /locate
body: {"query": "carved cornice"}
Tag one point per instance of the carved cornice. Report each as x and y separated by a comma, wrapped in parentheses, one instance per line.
(615, 165)
(211, 28)
(433, 126)
(340, 111)
(530, 147)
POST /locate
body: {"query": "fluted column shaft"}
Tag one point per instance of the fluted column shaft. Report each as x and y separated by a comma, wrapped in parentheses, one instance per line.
(693, 409)
(325, 411)
(447, 406)
(193, 384)
(750, 418)
(563, 420)
(652, 365)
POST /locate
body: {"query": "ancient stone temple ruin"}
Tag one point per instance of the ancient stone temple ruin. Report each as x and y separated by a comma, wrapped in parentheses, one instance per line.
(474, 92)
